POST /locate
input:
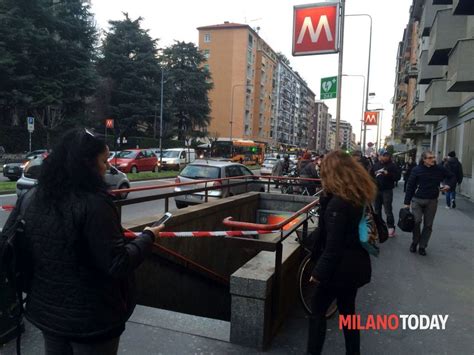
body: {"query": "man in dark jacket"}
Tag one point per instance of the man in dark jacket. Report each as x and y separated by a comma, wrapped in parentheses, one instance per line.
(455, 167)
(422, 195)
(385, 173)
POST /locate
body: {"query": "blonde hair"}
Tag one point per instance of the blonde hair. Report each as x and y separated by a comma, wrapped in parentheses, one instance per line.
(343, 176)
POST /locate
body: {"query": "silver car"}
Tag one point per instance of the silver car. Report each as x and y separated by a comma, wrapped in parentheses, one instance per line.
(214, 169)
(267, 166)
(115, 179)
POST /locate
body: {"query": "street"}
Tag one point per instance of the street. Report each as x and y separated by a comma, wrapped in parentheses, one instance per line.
(128, 212)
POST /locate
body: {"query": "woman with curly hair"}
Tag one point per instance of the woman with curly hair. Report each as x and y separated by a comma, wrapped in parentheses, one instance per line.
(343, 264)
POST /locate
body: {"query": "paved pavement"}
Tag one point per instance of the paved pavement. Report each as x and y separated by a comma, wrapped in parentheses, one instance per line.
(402, 283)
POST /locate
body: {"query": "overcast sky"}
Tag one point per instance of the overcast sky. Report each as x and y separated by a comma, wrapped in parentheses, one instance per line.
(178, 20)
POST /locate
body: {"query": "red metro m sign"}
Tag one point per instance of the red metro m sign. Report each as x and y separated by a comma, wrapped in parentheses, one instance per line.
(316, 29)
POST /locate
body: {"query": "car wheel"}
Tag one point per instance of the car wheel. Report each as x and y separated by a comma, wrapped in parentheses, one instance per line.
(177, 167)
(180, 204)
(123, 195)
(12, 178)
(134, 170)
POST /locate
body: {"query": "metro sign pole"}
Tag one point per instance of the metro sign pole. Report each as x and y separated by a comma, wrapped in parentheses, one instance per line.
(319, 29)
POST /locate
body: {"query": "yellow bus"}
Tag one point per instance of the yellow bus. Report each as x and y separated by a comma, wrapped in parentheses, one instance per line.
(243, 151)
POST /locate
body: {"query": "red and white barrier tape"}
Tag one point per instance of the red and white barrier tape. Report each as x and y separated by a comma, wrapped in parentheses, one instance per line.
(206, 234)
(6, 208)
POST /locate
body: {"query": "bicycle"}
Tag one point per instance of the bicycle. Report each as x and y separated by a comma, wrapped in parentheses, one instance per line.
(306, 288)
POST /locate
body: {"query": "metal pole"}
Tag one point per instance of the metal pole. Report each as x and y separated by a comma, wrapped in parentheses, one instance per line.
(161, 119)
(363, 104)
(339, 73)
(30, 142)
(368, 75)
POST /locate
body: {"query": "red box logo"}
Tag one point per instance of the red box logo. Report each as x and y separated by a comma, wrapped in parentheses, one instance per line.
(316, 29)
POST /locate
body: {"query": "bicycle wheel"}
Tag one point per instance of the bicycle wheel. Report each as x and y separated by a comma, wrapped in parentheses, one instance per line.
(307, 289)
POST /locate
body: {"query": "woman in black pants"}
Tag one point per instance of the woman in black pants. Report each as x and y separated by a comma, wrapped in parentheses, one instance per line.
(343, 264)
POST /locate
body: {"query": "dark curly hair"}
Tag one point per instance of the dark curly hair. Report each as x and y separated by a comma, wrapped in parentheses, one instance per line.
(71, 167)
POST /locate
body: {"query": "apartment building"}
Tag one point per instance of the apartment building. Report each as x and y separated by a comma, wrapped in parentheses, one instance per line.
(434, 88)
(323, 126)
(256, 94)
(345, 134)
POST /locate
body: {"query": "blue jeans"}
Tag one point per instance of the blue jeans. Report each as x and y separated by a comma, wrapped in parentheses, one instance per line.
(450, 195)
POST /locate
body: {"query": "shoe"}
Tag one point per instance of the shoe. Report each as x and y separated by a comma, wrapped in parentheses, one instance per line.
(391, 232)
(413, 247)
(447, 207)
(453, 204)
(422, 251)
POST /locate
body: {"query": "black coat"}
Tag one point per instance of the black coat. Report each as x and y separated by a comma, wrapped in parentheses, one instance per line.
(455, 167)
(385, 181)
(424, 182)
(82, 283)
(342, 261)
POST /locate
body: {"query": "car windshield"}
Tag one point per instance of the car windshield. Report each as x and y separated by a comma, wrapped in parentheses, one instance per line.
(127, 154)
(170, 154)
(201, 172)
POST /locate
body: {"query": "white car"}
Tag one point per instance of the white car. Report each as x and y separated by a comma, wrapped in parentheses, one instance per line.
(175, 158)
(267, 166)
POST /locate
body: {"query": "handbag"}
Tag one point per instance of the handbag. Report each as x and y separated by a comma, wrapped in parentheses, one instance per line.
(406, 220)
(368, 233)
(380, 224)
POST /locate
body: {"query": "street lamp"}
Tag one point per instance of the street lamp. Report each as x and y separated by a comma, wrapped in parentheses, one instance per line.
(363, 104)
(368, 73)
(232, 111)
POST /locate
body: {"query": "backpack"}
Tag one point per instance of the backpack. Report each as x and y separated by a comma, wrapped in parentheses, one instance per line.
(406, 220)
(13, 276)
(372, 230)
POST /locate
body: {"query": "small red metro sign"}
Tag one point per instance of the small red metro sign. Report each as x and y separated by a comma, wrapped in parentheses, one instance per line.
(316, 29)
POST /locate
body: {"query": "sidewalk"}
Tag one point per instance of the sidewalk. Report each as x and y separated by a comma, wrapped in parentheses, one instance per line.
(402, 283)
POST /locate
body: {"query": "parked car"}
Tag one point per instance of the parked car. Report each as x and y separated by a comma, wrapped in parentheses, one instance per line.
(135, 160)
(267, 166)
(176, 158)
(213, 169)
(115, 179)
(13, 171)
(112, 155)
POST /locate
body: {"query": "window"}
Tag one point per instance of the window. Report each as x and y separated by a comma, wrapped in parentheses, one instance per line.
(207, 53)
(244, 171)
(232, 171)
(207, 37)
(183, 155)
(250, 41)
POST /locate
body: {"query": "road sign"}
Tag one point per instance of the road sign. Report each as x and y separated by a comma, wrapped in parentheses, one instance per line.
(329, 88)
(30, 121)
(316, 28)
(371, 118)
(109, 123)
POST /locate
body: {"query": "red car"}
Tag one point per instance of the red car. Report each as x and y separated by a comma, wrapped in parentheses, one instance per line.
(135, 160)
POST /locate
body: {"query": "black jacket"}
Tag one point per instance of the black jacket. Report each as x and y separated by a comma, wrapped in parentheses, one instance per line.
(385, 181)
(342, 262)
(454, 166)
(82, 283)
(408, 168)
(424, 182)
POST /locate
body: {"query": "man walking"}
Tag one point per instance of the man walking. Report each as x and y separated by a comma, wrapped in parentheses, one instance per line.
(277, 169)
(422, 194)
(385, 173)
(455, 167)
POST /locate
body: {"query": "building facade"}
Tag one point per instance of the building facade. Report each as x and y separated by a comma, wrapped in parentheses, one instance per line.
(323, 126)
(345, 134)
(256, 94)
(434, 88)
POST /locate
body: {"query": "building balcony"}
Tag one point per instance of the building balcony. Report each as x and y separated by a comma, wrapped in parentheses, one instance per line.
(446, 31)
(463, 7)
(413, 131)
(429, 72)
(419, 115)
(428, 16)
(438, 101)
(460, 68)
